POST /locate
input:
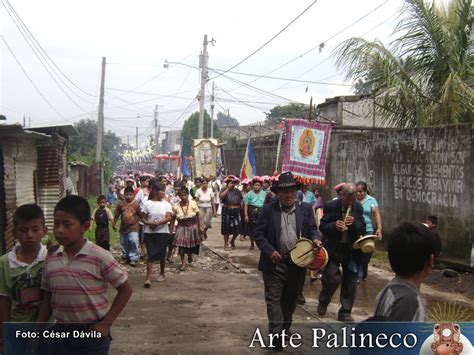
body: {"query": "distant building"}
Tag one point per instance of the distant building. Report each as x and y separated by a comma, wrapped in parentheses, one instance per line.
(351, 111)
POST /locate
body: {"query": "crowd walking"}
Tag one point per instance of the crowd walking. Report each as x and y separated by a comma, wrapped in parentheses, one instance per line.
(159, 216)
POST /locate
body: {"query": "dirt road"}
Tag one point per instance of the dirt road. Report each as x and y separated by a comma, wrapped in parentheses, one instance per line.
(216, 305)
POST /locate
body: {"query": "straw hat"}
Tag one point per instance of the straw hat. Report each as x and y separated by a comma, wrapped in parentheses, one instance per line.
(366, 243)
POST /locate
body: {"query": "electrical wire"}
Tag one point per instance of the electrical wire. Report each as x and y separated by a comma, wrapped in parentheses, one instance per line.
(42, 55)
(317, 46)
(161, 73)
(267, 42)
(31, 80)
(261, 91)
(285, 79)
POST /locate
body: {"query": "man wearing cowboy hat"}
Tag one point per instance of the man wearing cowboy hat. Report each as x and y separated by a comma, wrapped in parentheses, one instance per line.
(281, 224)
(341, 229)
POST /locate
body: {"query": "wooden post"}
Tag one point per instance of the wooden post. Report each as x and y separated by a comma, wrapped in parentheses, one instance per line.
(310, 108)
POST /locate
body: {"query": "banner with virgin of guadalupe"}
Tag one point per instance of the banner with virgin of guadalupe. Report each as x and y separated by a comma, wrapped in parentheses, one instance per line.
(306, 148)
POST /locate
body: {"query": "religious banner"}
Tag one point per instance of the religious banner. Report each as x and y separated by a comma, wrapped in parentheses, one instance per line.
(306, 148)
(205, 155)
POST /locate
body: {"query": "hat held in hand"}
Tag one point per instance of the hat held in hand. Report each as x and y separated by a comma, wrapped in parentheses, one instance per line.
(366, 243)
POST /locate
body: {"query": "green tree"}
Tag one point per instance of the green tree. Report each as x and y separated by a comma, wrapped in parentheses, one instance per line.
(426, 74)
(190, 130)
(226, 120)
(83, 146)
(293, 110)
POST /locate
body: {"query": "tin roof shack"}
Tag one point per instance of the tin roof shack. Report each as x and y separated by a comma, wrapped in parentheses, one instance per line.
(78, 172)
(18, 172)
(52, 168)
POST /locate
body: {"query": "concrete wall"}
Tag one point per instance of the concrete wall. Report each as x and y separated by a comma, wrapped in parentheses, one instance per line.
(413, 173)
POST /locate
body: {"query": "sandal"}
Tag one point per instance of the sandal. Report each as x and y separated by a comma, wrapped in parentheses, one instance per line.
(182, 268)
(227, 248)
(147, 284)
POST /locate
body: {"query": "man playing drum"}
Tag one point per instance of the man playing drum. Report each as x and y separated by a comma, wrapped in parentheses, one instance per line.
(342, 224)
(281, 225)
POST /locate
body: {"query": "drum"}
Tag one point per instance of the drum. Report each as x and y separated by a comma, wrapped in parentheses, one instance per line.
(303, 255)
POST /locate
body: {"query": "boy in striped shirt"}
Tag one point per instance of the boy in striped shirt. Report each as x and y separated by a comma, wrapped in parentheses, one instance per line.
(76, 278)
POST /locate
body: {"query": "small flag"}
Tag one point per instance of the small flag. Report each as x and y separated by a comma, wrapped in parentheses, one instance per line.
(249, 168)
(182, 164)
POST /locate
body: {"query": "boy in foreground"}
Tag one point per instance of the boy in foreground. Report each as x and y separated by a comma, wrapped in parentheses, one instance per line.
(21, 268)
(411, 252)
(75, 281)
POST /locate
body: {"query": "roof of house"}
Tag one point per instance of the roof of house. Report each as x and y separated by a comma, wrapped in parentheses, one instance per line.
(68, 130)
(17, 131)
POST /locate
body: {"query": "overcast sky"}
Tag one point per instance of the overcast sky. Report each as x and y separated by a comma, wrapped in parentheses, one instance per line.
(137, 37)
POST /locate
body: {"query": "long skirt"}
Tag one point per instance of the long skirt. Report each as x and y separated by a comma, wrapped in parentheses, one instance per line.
(254, 215)
(231, 221)
(205, 213)
(187, 236)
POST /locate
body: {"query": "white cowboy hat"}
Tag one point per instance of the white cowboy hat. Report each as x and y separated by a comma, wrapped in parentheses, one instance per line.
(366, 243)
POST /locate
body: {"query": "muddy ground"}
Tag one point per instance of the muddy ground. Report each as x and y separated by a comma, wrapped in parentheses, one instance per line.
(216, 305)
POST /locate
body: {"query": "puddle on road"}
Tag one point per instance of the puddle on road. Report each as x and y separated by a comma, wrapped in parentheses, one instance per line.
(368, 291)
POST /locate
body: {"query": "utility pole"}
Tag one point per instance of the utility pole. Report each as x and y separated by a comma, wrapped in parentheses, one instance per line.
(136, 138)
(128, 142)
(29, 120)
(100, 118)
(157, 135)
(203, 59)
(212, 111)
(24, 121)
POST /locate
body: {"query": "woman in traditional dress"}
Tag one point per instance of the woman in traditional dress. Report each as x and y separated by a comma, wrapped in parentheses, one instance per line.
(246, 188)
(205, 200)
(253, 205)
(188, 232)
(231, 217)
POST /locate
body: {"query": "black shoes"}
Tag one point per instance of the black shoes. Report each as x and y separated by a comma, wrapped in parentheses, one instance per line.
(300, 300)
(345, 317)
(321, 310)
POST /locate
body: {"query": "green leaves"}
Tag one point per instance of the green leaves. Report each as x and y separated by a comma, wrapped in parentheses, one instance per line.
(425, 76)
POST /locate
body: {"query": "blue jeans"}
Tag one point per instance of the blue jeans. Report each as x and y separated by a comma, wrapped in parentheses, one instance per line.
(79, 345)
(129, 246)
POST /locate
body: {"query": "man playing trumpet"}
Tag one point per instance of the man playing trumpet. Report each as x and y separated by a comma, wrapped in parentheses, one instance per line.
(342, 224)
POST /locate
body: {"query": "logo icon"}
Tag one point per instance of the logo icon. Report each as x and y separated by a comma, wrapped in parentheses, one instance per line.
(446, 339)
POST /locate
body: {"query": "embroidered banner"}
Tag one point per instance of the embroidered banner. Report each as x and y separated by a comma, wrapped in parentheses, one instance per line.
(306, 147)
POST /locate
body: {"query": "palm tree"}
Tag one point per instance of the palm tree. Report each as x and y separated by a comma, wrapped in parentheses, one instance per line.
(425, 77)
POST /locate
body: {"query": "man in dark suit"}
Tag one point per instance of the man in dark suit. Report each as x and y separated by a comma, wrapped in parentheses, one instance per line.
(281, 224)
(340, 233)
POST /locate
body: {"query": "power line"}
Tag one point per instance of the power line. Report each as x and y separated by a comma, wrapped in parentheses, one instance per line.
(261, 91)
(285, 79)
(31, 80)
(181, 115)
(161, 73)
(21, 26)
(317, 46)
(267, 42)
(240, 101)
